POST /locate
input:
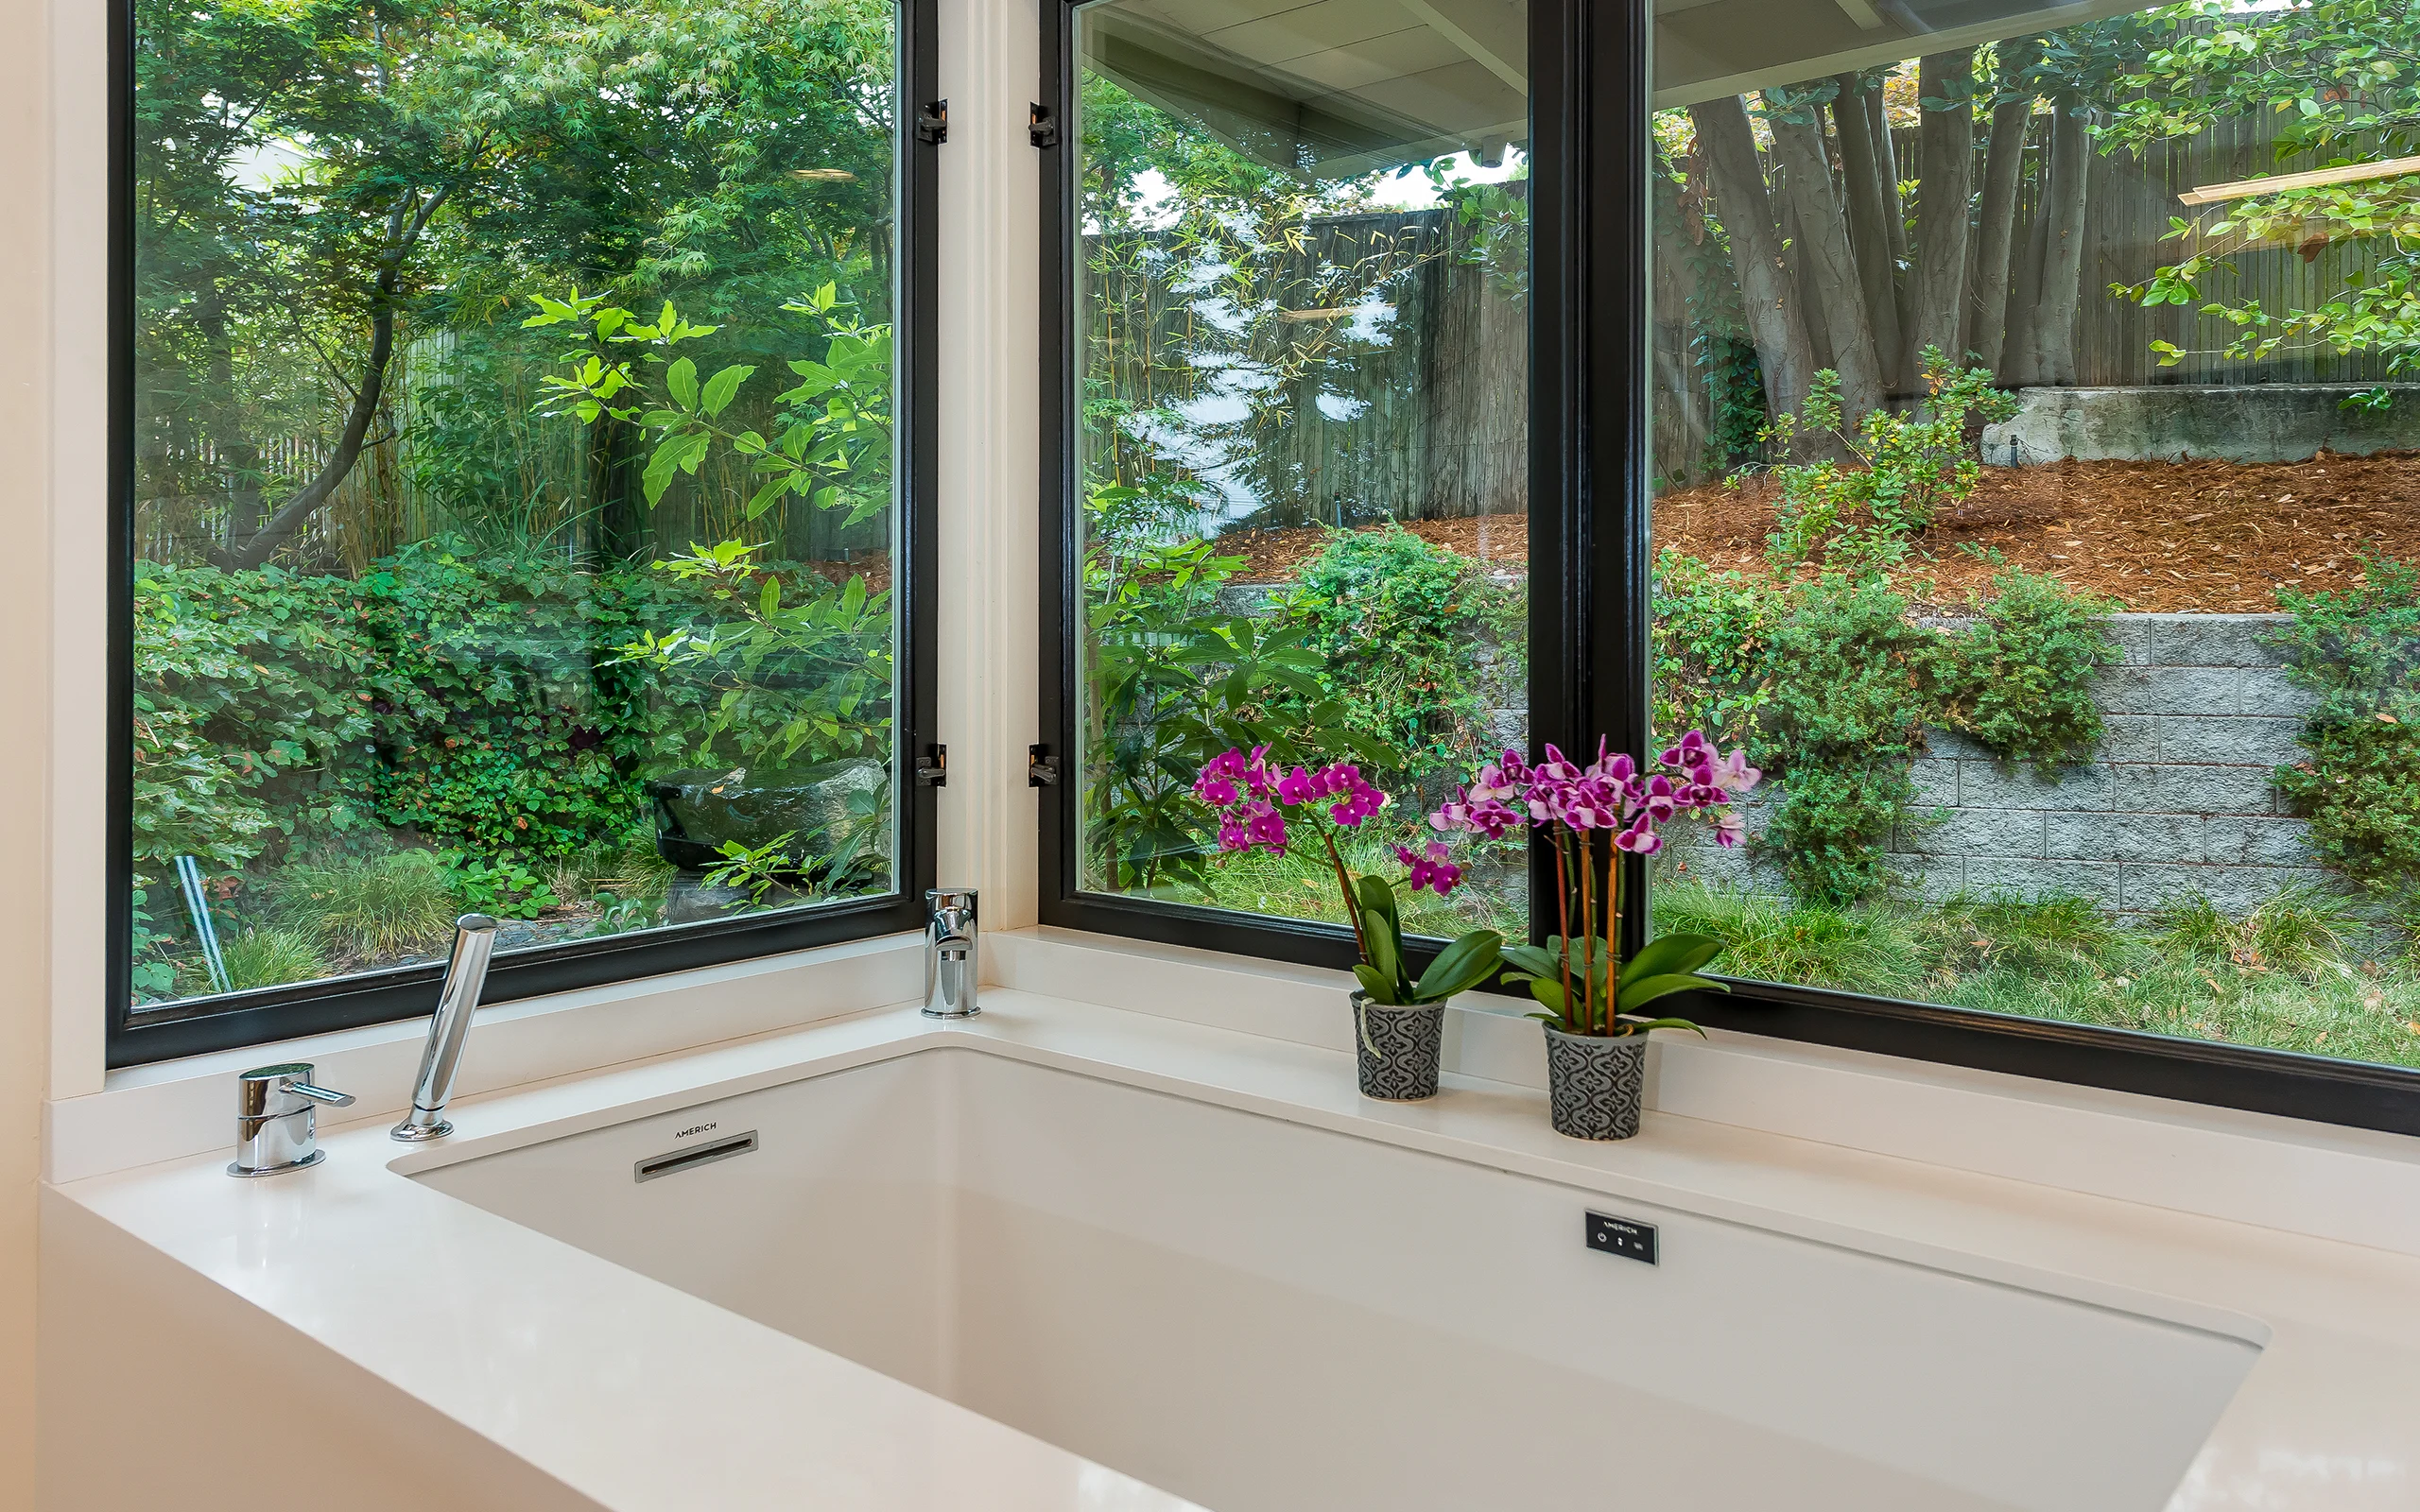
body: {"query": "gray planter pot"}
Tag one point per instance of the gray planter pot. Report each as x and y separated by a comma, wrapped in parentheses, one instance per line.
(1396, 1050)
(1595, 1084)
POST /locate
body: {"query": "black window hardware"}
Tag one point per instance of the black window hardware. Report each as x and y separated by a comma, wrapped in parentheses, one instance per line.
(932, 122)
(1042, 128)
(932, 768)
(1041, 768)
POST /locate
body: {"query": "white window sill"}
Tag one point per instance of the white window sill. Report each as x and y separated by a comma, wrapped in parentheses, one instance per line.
(173, 1108)
(2354, 1185)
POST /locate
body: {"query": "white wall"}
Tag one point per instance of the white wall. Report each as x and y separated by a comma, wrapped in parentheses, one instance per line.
(52, 611)
(25, 391)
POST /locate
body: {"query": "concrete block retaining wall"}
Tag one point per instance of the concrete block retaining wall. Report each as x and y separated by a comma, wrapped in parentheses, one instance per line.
(2176, 800)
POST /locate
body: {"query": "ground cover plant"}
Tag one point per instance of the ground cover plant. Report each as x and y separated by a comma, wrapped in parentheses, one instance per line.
(2295, 973)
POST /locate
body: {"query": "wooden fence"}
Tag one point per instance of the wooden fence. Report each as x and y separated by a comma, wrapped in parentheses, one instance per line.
(1375, 366)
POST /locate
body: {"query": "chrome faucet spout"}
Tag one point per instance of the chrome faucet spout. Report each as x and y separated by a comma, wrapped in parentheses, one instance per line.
(950, 960)
(466, 975)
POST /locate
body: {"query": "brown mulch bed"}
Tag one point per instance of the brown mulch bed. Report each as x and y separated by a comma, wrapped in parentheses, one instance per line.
(875, 567)
(1501, 541)
(2159, 537)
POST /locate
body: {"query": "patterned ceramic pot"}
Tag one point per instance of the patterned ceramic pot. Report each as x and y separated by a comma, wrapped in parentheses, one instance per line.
(1595, 1084)
(1397, 1049)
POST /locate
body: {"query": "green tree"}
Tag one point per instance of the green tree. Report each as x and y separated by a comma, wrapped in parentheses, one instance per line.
(2341, 80)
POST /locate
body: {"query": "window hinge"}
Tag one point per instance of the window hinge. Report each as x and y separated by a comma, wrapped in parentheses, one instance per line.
(932, 122)
(1042, 128)
(1041, 768)
(932, 768)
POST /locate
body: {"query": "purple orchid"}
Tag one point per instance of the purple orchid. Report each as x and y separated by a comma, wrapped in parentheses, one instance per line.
(1434, 869)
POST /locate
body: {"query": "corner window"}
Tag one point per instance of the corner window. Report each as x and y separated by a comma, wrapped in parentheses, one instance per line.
(1298, 431)
(519, 436)
(2034, 427)
(2001, 426)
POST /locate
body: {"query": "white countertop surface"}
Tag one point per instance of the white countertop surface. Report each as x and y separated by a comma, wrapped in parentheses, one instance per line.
(557, 1356)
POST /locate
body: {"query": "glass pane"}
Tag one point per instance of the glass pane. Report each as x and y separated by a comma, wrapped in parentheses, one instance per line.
(1303, 437)
(513, 475)
(2036, 434)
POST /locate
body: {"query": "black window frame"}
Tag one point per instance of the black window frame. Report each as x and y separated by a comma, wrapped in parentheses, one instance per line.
(1590, 550)
(231, 1021)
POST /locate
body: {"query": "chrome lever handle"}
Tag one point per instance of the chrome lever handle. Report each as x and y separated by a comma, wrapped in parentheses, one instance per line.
(276, 1127)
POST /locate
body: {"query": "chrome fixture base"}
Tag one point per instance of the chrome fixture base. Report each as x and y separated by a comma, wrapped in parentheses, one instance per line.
(236, 1168)
(413, 1132)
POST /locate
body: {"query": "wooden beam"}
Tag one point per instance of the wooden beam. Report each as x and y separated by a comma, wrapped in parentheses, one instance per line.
(2352, 173)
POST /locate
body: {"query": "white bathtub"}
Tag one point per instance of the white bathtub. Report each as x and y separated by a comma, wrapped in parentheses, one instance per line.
(1263, 1315)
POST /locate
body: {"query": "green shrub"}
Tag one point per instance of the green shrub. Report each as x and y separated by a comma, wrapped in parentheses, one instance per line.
(500, 886)
(1850, 684)
(504, 721)
(2359, 649)
(396, 905)
(1902, 467)
(247, 694)
(1403, 630)
(265, 958)
(1830, 683)
(2019, 678)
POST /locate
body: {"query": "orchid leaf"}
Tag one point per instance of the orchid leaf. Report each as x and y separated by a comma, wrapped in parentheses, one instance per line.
(1461, 966)
(1643, 1025)
(1533, 959)
(1674, 953)
(1382, 945)
(1647, 989)
(1380, 987)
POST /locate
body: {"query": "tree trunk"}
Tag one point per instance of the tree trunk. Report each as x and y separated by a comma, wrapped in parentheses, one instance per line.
(1681, 423)
(2016, 368)
(405, 224)
(239, 458)
(1869, 233)
(1826, 267)
(2062, 208)
(1948, 146)
(1895, 225)
(1995, 230)
(1770, 304)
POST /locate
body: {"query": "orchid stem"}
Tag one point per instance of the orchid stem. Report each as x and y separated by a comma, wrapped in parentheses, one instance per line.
(1589, 928)
(1563, 917)
(1344, 886)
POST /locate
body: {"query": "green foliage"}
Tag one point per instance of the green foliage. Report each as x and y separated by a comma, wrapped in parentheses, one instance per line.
(1403, 631)
(831, 444)
(2340, 79)
(500, 886)
(1831, 682)
(796, 675)
(2359, 650)
(246, 698)
(270, 957)
(1173, 679)
(1385, 969)
(1851, 683)
(2019, 678)
(2291, 976)
(1902, 468)
(756, 871)
(394, 905)
(500, 727)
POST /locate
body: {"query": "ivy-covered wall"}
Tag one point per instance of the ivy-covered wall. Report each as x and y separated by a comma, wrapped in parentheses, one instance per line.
(2178, 799)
